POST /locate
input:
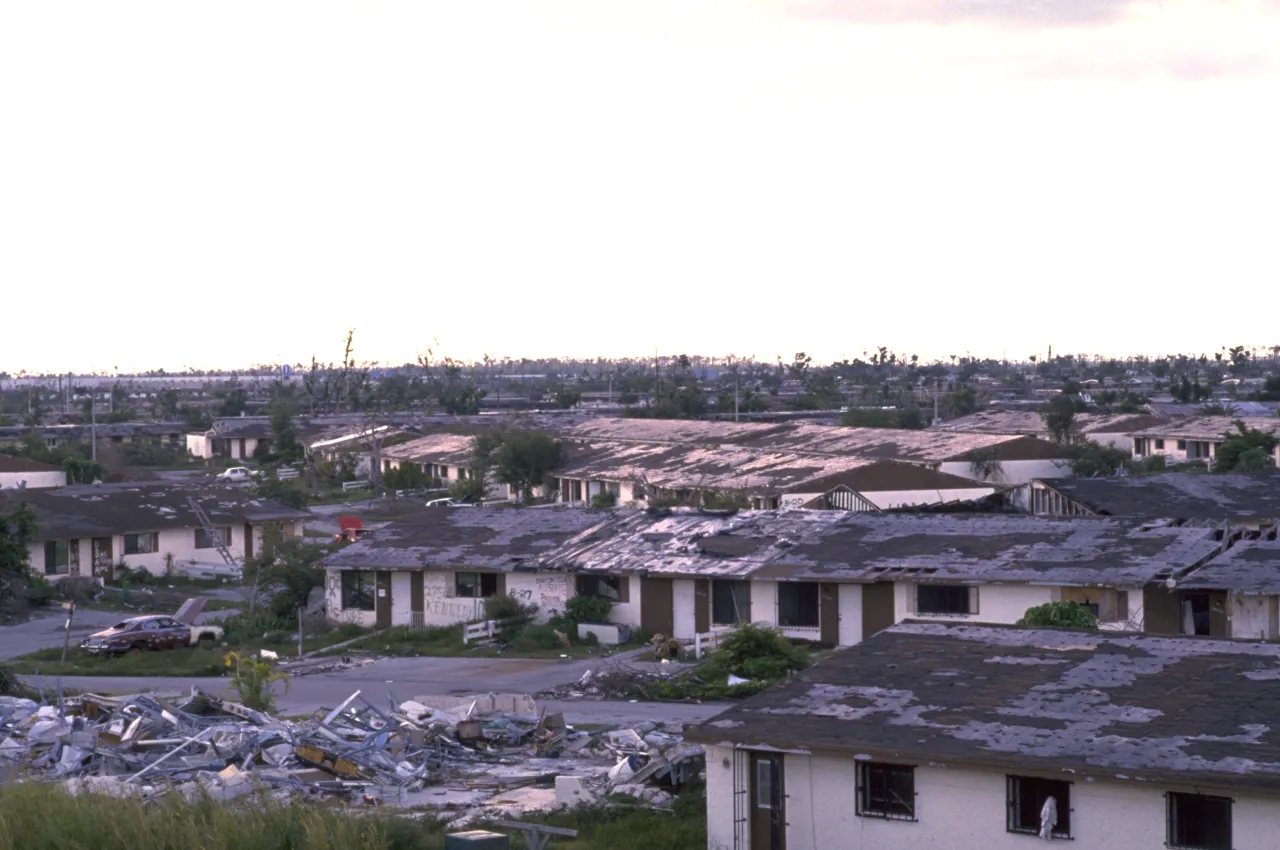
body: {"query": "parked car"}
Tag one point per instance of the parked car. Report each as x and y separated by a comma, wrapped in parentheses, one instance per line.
(238, 474)
(148, 633)
(450, 503)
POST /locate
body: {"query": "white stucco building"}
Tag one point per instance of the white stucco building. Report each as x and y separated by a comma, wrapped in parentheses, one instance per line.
(1198, 438)
(18, 473)
(87, 530)
(956, 736)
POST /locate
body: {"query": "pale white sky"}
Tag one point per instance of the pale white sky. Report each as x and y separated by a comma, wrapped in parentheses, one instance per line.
(213, 184)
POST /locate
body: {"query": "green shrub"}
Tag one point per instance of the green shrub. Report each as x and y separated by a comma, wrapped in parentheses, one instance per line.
(1064, 615)
(351, 630)
(505, 608)
(587, 609)
(533, 637)
(255, 627)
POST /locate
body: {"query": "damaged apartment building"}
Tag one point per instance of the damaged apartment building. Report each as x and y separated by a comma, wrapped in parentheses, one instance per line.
(88, 530)
(829, 576)
(956, 735)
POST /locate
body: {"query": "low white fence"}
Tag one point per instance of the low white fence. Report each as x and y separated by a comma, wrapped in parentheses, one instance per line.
(704, 642)
(286, 473)
(354, 485)
(475, 632)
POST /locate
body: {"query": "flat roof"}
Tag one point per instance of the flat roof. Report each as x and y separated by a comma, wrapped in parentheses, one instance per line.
(449, 449)
(1179, 495)
(1032, 422)
(1249, 566)
(1210, 428)
(17, 463)
(1081, 704)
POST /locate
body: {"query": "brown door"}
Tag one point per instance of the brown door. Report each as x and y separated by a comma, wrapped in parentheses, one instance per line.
(502, 585)
(415, 593)
(702, 605)
(248, 541)
(382, 607)
(829, 613)
(877, 607)
(1161, 611)
(1219, 616)
(655, 606)
(768, 815)
(242, 455)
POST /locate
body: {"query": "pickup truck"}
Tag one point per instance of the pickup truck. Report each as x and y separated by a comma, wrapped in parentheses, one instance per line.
(155, 631)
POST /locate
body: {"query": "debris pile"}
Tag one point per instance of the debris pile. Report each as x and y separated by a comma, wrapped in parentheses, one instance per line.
(485, 755)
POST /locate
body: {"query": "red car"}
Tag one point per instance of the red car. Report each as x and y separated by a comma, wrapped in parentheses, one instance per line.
(139, 633)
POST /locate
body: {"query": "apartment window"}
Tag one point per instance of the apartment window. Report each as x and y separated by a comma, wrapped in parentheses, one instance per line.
(886, 791)
(1182, 445)
(946, 599)
(219, 537)
(142, 544)
(1199, 822)
(1159, 444)
(475, 585)
(444, 472)
(798, 604)
(359, 589)
(57, 557)
(1026, 800)
(616, 589)
(730, 602)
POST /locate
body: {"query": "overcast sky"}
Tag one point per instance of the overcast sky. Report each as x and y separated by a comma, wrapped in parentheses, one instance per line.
(213, 184)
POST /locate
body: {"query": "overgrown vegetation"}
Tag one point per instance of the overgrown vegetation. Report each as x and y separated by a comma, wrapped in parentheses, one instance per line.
(1061, 615)
(908, 418)
(253, 680)
(41, 815)
(1247, 450)
(762, 656)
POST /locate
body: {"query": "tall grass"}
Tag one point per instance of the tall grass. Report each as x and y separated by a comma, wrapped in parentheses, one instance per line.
(39, 816)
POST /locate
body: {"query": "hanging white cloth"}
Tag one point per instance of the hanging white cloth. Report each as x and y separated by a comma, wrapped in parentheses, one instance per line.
(1188, 618)
(1048, 818)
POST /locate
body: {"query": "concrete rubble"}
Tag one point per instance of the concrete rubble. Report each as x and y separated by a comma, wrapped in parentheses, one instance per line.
(468, 758)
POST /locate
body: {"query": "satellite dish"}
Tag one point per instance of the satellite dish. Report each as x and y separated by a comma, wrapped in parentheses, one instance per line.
(1170, 583)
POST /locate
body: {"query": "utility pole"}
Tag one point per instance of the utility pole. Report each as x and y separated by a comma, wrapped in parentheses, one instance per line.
(93, 426)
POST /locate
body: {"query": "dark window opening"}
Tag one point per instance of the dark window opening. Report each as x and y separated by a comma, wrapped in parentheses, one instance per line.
(1199, 822)
(359, 587)
(219, 537)
(886, 791)
(798, 604)
(613, 588)
(946, 599)
(730, 602)
(141, 544)
(1137, 445)
(475, 585)
(1195, 614)
(1026, 799)
(57, 557)
(1182, 445)
(1159, 444)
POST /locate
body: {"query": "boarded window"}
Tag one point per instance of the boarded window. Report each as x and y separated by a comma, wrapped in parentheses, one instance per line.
(142, 544)
(798, 604)
(475, 585)
(57, 557)
(359, 590)
(730, 602)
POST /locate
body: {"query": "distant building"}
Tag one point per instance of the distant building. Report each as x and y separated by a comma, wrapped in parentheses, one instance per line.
(985, 738)
(23, 473)
(1182, 440)
(1245, 500)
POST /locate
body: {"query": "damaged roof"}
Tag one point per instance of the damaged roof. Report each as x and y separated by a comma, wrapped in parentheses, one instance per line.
(447, 449)
(861, 547)
(1180, 495)
(103, 510)
(1032, 422)
(901, 444)
(478, 538)
(667, 430)
(1249, 566)
(17, 463)
(1210, 428)
(1118, 707)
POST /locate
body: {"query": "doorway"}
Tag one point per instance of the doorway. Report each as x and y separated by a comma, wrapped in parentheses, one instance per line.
(382, 603)
(829, 613)
(768, 818)
(655, 606)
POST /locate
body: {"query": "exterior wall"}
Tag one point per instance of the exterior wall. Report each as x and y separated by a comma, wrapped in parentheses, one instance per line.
(1013, 471)
(683, 603)
(961, 807)
(440, 606)
(33, 480)
(997, 603)
(850, 599)
(333, 603)
(1123, 442)
(628, 612)
(902, 498)
(764, 611)
(199, 445)
(549, 591)
(1253, 617)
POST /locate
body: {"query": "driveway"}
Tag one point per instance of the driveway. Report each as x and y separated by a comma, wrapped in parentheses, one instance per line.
(409, 677)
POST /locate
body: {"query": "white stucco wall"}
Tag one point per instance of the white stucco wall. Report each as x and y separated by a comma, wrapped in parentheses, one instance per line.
(1252, 617)
(764, 603)
(400, 598)
(198, 445)
(850, 598)
(333, 603)
(683, 603)
(440, 607)
(628, 612)
(997, 603)
(963, 808)
(1013, 471)
(548, 591)
(33, 480)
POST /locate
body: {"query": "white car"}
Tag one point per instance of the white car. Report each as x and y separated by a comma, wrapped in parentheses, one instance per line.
(237, 474)
(449, 503)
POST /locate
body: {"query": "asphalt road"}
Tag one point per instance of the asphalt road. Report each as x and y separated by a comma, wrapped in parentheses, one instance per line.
(410, 677)
(45, 628)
